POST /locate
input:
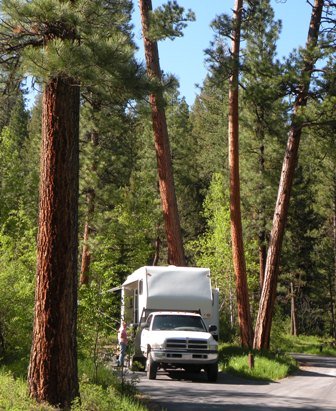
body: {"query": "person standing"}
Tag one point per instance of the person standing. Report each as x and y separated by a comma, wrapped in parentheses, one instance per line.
(122, 341)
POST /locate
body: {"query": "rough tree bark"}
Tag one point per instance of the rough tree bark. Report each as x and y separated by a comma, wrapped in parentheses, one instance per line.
(267, 300)
(244, 315)
(162, 146)
(52, 374)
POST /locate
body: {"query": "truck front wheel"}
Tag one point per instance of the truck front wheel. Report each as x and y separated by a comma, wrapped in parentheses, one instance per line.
(212, 372)
(151, 367)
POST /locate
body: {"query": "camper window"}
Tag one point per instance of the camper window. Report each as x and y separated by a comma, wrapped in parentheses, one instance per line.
(140, 287)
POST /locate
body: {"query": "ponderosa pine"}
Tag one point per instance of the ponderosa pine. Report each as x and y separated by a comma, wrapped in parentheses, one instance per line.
(267, 300)
(162, 144)
(56, 41)
(52, 372)
(243, 305)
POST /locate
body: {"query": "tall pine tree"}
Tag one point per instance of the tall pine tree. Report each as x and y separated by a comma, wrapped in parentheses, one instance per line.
(64, 44)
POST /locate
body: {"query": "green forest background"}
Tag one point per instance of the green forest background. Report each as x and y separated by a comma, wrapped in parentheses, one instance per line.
(119, 195)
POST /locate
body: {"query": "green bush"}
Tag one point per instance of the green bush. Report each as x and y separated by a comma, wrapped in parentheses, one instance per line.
(17, 271)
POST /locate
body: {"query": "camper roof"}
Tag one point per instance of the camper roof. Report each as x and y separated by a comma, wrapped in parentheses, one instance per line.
(140, 272)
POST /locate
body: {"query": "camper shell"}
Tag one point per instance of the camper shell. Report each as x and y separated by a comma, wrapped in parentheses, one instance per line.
(153, 288)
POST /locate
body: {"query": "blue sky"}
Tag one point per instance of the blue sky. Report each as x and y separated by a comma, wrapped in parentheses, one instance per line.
(184, 56)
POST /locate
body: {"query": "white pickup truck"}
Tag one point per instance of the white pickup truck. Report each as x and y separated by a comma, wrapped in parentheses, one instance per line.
(179, 340)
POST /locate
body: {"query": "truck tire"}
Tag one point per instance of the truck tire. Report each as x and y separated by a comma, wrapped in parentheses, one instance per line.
(151, 367)
(212, 372)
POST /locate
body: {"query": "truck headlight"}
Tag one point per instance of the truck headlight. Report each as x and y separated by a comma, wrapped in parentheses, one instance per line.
(213, 346)
(157, 346)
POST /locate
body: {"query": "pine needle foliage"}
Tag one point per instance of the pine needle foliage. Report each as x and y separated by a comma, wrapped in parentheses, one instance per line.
(168, 21)
(86, 40)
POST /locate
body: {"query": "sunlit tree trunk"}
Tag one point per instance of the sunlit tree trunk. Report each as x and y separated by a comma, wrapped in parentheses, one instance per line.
(52, 375)
(162, 146)
(243, 305)
(267, 300)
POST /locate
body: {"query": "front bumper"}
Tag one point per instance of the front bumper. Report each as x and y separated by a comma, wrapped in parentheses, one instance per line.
(185, 357)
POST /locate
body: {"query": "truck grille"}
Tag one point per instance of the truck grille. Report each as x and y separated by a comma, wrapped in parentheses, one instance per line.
(186, 344)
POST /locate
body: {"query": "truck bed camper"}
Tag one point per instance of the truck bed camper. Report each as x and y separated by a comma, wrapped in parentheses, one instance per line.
(168, 289)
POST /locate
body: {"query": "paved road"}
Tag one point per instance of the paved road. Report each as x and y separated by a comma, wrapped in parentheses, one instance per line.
(312, 388)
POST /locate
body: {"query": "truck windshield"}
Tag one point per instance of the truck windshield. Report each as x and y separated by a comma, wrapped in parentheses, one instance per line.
(178, 322)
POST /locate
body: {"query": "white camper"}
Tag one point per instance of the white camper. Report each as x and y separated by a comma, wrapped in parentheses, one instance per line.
(168, 289)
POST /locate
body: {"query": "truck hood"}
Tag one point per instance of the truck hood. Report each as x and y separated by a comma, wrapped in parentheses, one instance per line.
(162, 335)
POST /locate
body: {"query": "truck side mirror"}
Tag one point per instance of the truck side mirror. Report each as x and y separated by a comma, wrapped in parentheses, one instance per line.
(212, 328)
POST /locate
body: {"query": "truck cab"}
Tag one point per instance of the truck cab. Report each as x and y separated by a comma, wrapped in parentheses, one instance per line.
(178, 340)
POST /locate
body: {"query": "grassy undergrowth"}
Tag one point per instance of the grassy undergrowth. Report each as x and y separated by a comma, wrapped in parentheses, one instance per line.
(100, 391)
(267, 366)
(306, 344)
(103, 390)
(272, 366)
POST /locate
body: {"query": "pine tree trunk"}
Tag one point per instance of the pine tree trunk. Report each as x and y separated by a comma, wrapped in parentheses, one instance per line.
(157, 251)
(267, 300)
(262, 258)
(162, 146)
(244, 316)
(293, 311)
(52, 375)
(332, 280)
(231, 306)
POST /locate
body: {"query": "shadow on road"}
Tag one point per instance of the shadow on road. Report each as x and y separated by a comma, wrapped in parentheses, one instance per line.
(177, 390)
(223, 378)
(208, 397)
(309, 373)
(306, 360)
(225, 407)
